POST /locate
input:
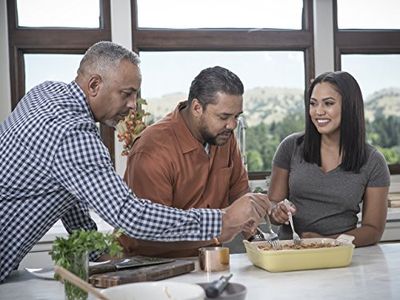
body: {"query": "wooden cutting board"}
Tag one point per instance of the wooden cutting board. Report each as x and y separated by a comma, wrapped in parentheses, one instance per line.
(127, 262)
(149, 273)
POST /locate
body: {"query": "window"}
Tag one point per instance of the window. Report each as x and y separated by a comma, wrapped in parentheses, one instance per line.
(381, 97)
(361, 14)
(173, 54)
(57, 38)
(59, 67)
(371, 52)
(270, 34)
(220, 14)
(58, 13)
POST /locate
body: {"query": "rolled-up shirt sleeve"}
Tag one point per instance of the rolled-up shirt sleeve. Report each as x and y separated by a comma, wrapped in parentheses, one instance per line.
(78, 217)
(83, 167)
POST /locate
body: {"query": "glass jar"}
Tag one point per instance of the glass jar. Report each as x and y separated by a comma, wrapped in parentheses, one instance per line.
(79, 265)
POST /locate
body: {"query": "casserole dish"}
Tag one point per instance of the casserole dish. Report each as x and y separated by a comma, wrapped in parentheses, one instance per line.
(316, 253)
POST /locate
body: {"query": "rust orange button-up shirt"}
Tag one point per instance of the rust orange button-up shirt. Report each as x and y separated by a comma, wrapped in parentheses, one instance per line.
(169, 166)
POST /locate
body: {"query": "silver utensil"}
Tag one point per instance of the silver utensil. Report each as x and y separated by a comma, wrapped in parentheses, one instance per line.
(270, 236)
(296, 238)
(273, 237)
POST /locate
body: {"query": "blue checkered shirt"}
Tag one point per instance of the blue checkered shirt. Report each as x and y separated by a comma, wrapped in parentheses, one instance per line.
(53, 165)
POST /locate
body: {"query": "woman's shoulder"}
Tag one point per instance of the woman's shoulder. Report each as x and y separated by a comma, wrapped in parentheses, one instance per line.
(374, 154)
(376, 168)
(287, 150)
(291, 142)
(375, 159)
(293, 139)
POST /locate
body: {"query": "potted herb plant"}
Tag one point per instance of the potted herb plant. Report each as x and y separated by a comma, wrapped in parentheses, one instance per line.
(72, 254)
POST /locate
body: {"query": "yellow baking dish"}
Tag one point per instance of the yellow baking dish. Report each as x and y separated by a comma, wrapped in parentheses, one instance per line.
(302, 259)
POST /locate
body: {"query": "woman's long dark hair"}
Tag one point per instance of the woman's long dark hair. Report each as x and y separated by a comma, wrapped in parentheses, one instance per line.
(352, 125)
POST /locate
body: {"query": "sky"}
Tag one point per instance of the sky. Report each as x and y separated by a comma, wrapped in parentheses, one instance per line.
(211, 13)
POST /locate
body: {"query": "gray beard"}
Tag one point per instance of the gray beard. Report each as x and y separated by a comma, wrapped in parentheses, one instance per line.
(111, 123)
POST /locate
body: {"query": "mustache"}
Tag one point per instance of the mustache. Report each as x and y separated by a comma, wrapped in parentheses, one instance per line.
(226, 132)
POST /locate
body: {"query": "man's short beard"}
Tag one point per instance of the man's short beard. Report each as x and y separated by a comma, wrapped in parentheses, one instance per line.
(210, 139)
(110, 123)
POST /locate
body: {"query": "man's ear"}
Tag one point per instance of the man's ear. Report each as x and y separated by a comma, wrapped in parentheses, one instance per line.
(196, 108)
(94, 84)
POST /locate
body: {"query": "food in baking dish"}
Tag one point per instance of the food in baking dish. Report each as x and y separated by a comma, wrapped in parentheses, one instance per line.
(315, 253)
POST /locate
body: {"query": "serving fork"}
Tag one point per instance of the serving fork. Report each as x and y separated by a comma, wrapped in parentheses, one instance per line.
(270, 236)
(273, 236)
(296, 238)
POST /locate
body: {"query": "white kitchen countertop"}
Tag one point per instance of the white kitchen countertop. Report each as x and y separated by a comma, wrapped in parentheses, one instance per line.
(373, 274)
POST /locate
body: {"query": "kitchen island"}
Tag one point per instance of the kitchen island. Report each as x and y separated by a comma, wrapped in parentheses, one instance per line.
(373, 274)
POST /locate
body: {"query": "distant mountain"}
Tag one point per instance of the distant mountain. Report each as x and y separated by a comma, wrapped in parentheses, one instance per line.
(261, 104)
(159, 107)
(385, 102)
(268, 104)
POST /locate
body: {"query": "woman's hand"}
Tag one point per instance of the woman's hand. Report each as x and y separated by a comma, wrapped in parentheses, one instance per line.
(280, 212)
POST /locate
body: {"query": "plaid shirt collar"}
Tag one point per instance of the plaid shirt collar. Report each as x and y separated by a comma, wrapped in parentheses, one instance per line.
(78, 94)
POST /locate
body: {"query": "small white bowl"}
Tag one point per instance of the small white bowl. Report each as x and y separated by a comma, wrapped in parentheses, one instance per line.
(160, 290)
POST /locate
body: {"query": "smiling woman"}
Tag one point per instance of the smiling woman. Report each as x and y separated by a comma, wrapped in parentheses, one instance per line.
(309, 167)
(325, 109)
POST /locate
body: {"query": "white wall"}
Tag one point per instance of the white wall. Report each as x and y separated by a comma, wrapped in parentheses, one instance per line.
(121, 34)
(5, 91)
(323, 36)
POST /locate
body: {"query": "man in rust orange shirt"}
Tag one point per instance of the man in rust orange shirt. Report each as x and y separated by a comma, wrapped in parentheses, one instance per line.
(190, 158)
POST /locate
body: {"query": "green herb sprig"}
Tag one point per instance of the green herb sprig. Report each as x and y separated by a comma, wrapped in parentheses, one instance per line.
(259, 189)
(81, 241)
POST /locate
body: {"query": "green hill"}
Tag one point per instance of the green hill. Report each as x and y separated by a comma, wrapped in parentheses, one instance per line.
(383, 103)
(271, 104)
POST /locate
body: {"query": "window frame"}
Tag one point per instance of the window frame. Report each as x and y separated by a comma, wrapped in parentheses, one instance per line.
(27, 40)
(225, 39)
(364, 41)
